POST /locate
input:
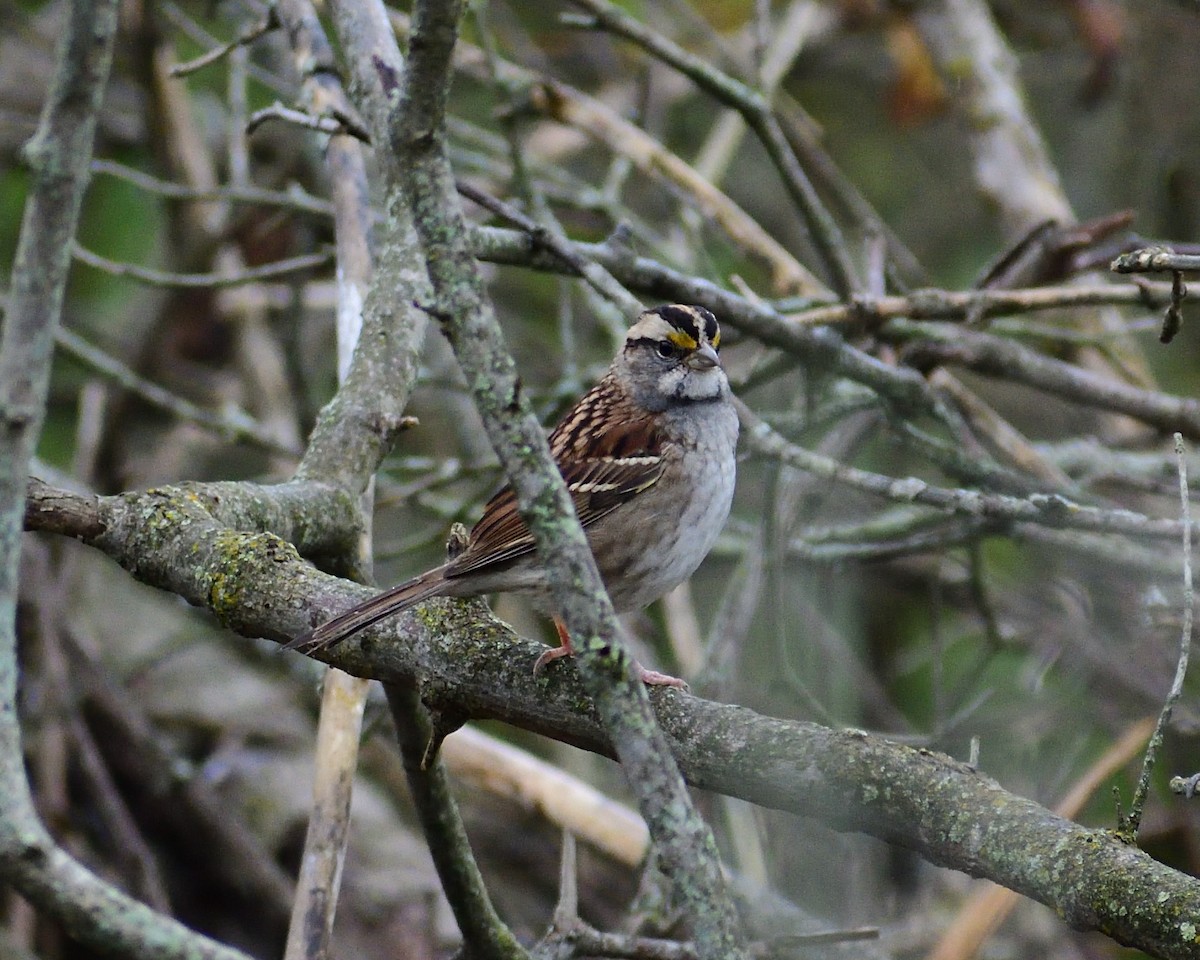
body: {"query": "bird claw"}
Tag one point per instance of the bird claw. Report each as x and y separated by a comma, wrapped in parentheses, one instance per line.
(652, 678)
(549, 656)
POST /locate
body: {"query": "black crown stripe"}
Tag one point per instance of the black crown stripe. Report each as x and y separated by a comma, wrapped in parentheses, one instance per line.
(688, 319)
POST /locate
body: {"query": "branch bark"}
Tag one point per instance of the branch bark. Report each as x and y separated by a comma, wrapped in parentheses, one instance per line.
(472, 666)
(686, 845)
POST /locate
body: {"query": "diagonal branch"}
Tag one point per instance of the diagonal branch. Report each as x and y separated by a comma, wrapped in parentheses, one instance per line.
(684, 841)
(756, 110)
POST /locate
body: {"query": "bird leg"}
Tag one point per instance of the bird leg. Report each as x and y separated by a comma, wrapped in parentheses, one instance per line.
(650, 677)
(563, 650)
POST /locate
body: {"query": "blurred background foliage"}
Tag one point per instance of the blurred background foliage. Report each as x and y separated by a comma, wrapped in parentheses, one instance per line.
(1041, 654)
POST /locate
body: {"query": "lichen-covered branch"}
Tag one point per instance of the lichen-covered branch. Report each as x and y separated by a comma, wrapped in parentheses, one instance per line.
(684, 841)
(918, 799)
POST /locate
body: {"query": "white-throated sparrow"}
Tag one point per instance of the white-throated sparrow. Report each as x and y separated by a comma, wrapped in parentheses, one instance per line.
(648, 457)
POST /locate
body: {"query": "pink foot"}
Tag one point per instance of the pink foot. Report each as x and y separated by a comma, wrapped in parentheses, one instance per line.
(549, 656)
(652, 678)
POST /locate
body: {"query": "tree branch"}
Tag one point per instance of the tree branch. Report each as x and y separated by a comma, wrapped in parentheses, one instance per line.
(472, 666)
(684, 840)
(931, 344)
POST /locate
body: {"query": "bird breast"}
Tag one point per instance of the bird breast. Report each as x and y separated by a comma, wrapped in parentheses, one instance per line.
(671, 527)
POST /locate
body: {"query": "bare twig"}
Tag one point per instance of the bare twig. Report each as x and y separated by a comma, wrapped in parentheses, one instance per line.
(161, 278)
(321, 123)
(782, 47)
(1012, 166)
(566, 911)
(1051, 510)
(294, 198)
(1132, 822)
(589, 115)
(376, 70)
(1162, 260)
(553, 239)
(246, 37)
(978, 304)
(756, 110)
(230, 424)
(1155, 260)
(822, 348)
(561, 103)
(1173, 318)
(941, 344)
(176, 16)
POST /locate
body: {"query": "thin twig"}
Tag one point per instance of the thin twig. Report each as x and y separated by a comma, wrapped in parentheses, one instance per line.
(175, 15)
(930, 304)
(566, 105)
(935, 343)
(162, 278)
(553, 239)
(229, 424)
(1133, 820)
(245, 38)
(1155, 260)
(566, 911)
(756, 110)
(294, 198)
(1051, 510)
(782, 47)
(321, 123)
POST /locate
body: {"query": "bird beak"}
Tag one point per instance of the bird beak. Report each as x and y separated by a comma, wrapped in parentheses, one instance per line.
(703, 358)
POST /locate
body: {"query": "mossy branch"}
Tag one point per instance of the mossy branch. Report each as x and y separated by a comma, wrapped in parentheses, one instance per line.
(475, 667)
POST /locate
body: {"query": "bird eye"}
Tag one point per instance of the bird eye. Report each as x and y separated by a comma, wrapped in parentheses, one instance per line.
(665, 349)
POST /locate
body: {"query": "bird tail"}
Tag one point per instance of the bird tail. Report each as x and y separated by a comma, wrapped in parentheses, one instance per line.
(380, 606)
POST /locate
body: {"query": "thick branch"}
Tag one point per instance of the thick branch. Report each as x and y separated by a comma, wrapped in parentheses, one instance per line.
(356, 429)
(472, 666)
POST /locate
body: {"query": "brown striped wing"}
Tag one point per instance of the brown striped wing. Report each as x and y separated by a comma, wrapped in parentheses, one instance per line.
(602, 472)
